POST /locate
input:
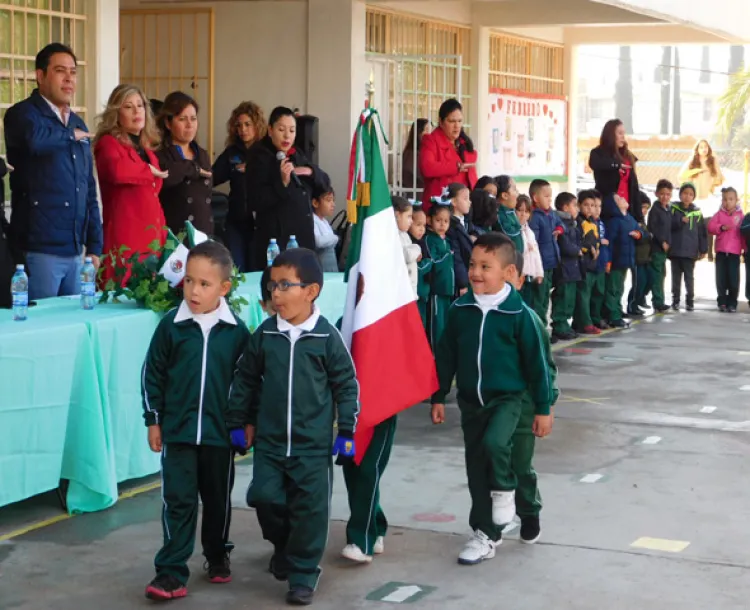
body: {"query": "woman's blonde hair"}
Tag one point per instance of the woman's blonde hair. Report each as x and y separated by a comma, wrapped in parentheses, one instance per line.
(257, 118)
(109, 120)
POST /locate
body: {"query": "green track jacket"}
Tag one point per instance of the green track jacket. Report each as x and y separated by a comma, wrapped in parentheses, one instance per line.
(504, 351)
(185, 378)
(291, 390)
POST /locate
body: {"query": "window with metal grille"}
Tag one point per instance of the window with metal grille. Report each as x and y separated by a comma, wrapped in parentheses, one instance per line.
(440, 53)
(25, 27)
(525, 65)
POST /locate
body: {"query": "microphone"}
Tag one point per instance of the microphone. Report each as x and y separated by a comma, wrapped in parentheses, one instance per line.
(280, 156)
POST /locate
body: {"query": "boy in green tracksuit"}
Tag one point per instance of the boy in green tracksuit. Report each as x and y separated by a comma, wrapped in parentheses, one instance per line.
(294, 378)
(185, 383)
(424, 265)
(507, 221)
(442, 276)
(660, 227)
(495, 347)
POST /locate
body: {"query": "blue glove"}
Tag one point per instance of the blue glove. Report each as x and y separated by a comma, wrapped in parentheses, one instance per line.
(343, 447)
(238, 441)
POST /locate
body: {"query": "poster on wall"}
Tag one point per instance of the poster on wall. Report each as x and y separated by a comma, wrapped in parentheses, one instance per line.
(528, 135)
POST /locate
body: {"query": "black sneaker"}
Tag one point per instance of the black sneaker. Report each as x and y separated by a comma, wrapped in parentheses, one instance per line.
(636, 313)
(299, 595)
(553, 339)
(689, 307)
(165, 587)
(723, 308)
(676, 306)
(618, 324)
(732, 309)
(278, 567)
(218, 570)
(662, 308)
(530, 530)
(564, 336)
(603, 325)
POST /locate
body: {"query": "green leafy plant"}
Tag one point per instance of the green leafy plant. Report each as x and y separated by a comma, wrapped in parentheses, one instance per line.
(140, 281)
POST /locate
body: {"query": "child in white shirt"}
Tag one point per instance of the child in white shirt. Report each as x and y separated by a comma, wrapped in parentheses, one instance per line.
(412, 252)
(324, 204)
(532, 259)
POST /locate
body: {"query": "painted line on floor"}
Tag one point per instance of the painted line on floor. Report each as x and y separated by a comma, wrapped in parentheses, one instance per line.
(651, 440)
(131, 493)
(591, 478)
(661, 544)
(708, 409)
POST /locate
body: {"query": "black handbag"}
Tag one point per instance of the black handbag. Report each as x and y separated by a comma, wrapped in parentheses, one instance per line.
(343, 229)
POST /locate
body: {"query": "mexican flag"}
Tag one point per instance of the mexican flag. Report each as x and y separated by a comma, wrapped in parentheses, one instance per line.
(175, 253)
(381, 323)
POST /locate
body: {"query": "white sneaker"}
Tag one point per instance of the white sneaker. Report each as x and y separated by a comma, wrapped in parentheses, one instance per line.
(379, 547)
(477, 549)
(503, 507)
(353, 553)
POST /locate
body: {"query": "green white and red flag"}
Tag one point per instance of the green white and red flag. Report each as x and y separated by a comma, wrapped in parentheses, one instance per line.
(381, 323)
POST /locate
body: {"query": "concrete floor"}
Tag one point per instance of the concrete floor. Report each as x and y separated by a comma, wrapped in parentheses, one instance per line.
(686, 487)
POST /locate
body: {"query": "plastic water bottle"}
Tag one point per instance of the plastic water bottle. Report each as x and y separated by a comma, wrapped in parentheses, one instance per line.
(272, 252)
(19, 289)
(88, 284)
(292, 243)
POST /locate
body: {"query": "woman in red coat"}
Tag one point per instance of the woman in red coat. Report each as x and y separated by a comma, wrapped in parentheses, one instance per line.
(447, 154)
(129, 175)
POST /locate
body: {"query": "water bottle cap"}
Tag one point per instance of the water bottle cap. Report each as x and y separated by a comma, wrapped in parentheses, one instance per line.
(88, 259)
(292, 237)
(273, 240)
(19, 267)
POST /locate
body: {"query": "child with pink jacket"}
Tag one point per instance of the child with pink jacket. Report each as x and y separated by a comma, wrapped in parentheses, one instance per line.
(725, 224)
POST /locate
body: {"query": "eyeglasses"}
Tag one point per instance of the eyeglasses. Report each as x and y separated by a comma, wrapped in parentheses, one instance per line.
(284, 285)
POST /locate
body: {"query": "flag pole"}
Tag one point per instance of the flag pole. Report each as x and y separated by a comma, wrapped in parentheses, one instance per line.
(370, 90)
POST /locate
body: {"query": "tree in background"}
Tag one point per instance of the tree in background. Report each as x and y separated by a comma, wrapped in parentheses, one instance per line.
(664, 77)
(624, 90)
(731, 117)
(677, 109)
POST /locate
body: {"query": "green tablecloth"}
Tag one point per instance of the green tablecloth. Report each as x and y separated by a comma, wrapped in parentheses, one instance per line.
(71, 406)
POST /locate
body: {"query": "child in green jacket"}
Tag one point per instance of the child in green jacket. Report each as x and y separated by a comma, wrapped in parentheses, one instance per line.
(442, 277)
(498, 351)
(295, 379)
(424, 265)
(185, 383)
(507, 220)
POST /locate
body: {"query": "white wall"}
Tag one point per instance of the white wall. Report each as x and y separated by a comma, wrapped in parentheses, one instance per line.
(260, 54)
(104, 39)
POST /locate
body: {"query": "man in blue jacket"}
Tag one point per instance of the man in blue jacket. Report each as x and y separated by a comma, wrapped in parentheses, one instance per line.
(54, 206)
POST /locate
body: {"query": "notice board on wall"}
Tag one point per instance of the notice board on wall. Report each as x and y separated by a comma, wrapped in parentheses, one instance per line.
(529, 135)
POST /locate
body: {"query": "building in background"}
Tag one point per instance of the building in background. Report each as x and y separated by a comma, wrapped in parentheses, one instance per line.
(317, 55)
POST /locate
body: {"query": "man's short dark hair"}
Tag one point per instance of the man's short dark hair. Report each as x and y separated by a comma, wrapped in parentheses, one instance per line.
(563, 199)
(537, 185)
(500, 244)
(305, 264)
(519, 262)
(45, 55)
(265, 277)
(664, 184)
(216, 253)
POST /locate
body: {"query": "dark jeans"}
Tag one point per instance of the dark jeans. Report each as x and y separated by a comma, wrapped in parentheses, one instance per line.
(643, 281)
(727, 278)
(239, 240)
(682, 266)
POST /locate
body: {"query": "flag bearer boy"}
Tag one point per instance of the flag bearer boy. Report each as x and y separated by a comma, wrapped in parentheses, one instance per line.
(293, 380)
(498, 351)
(185, 384)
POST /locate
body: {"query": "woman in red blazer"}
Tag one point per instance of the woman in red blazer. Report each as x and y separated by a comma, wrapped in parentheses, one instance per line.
(447, 154)
(129, 175)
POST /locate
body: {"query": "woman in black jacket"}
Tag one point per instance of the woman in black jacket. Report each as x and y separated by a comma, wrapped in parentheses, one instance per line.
(245, 127)
(279, 189)
(614, 171)
(186, 191)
